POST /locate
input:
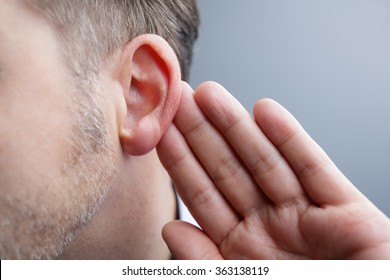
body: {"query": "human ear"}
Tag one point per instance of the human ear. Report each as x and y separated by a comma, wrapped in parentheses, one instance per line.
(150, 78)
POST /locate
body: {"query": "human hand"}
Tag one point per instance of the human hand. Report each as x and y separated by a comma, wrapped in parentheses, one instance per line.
(261, 188)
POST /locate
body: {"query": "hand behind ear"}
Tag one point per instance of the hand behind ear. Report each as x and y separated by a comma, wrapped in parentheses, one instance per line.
(149, 75)
(261, 189)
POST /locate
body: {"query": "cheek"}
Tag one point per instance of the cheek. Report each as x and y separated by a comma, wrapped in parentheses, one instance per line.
(33, 148)
(33, 134)
(26, 158)
(34, 143)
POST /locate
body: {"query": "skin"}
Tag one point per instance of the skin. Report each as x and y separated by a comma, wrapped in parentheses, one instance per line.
(58, 198)
(27, 109)
(261, 188)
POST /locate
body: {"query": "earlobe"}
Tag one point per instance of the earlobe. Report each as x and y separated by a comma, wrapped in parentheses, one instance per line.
(150, 78)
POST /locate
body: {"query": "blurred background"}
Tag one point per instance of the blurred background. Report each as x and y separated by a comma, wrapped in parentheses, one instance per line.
(328, 62)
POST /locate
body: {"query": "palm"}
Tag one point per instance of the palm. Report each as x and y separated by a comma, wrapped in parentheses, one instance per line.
(260, 190)
(299, 233)
(277, 234)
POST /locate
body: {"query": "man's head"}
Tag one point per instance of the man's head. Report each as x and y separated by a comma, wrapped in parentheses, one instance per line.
(81, 85)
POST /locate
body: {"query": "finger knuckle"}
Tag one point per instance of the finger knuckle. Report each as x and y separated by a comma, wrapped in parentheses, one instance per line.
(200, 197)
(226, 170)
(310, 169)
(265, 164)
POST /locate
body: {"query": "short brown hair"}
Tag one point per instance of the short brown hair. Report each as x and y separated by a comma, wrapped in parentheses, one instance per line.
(91, 30)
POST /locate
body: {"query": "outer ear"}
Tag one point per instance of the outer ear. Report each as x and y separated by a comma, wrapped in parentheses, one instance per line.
(149, 74)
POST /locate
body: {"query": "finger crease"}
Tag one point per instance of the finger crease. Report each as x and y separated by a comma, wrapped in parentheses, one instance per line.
(176, 162)
(192, 127)
(225, 170)
(265, 164)
(200, 198)
(229, 127)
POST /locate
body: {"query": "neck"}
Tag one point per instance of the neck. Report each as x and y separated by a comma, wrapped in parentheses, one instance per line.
(128, 224)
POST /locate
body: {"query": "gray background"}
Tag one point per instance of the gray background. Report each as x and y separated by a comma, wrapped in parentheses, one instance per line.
(328, 62)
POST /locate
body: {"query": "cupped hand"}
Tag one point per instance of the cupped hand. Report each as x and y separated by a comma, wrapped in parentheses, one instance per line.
(260, 187)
